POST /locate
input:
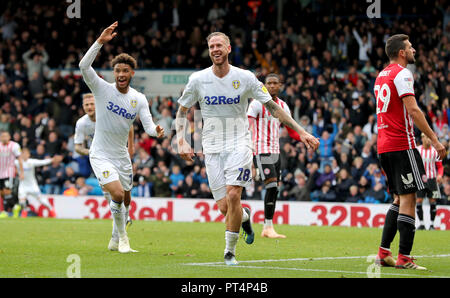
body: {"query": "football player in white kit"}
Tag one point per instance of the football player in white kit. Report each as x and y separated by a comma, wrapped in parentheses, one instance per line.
(117, 105)
(28, 187)
(223, 92)
(84, 134)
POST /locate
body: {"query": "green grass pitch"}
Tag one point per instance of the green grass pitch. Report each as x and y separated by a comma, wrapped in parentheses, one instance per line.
(39, 247)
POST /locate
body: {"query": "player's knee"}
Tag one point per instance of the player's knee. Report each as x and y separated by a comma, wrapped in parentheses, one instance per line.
(117, 195)
(234, 195)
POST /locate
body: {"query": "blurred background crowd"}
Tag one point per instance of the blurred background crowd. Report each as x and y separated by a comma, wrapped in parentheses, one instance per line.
(328, 54)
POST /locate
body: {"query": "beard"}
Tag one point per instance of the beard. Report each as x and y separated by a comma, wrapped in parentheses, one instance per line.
(411, 60)
(220, 61)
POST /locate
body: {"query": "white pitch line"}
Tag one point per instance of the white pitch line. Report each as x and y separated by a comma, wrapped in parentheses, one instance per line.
(307, 259)
(325, 270)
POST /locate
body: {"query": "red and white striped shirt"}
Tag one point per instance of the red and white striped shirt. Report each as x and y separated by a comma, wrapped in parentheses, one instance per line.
(430, 158)
(266, 129)
(8, 154)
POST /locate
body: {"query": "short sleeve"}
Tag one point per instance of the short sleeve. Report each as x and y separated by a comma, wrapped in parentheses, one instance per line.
(404, 83)
(254, 109)
(79, 133)
(257, 89)
(190, 94)
(16, 150)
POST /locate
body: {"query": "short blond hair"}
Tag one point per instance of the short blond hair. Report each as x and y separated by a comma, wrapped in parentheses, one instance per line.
(221, 34)
(87, 95)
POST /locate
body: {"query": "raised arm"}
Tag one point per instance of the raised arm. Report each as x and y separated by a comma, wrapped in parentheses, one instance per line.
(89, 75)
(357, 37)
(276, 111)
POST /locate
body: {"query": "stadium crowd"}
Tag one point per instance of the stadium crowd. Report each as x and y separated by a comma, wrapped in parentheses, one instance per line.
(327, 61)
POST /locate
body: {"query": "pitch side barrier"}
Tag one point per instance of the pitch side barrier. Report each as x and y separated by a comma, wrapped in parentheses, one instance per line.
(205, 210)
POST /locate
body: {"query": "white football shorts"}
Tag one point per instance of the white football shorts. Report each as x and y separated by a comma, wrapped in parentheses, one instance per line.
(107, 170)
(228, 168)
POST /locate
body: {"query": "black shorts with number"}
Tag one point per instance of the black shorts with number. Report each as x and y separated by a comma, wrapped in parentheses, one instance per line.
(404, 171)
(7, 183)
(268, 165)
(432, 191)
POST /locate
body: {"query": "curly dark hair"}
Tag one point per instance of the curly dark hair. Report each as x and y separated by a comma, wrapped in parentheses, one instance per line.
(124, 58)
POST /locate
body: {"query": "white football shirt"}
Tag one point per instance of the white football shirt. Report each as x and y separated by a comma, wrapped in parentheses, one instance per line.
(115, 112)
(84, 130)
(29, 181)
(223, 104)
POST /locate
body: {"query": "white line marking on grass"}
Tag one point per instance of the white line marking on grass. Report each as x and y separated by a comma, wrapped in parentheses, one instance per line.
(307, 259)
(322, 270)
(220, 264)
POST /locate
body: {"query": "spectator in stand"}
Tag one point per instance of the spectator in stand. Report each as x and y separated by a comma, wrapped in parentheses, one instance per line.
(144, 187)
(177, 180)
(301, 191)
(353, 196)
(36, 59)
(326, 143)
(189, 189)
(343, 183)
(82, 187)
(326, 193)
(161, 183)
(365, 46)
(53, 176)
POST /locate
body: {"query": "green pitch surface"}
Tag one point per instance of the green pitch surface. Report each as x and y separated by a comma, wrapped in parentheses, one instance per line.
(38, 247)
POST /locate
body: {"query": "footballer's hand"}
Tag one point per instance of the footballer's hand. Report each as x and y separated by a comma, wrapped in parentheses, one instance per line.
(309, 140)
(108, 33)
(159, 131)
(185, 150)
(440, 149)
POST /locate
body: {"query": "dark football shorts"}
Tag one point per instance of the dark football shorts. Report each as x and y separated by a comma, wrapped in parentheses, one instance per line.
(404, 171)
(7, 183)
(268, 165)
(431, 192)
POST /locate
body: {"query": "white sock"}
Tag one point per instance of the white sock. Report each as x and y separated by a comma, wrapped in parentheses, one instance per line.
(245, 215)
(268, 223)
(125, 214)
(117, 214)
(115, 233)
(231, 239)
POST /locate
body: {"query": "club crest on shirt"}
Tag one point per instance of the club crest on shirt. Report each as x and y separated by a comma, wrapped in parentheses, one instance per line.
(236, 84)
(133, 103)
(105, 174)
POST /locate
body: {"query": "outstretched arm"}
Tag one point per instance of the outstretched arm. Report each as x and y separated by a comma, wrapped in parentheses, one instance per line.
(89, 75)
(277, 112)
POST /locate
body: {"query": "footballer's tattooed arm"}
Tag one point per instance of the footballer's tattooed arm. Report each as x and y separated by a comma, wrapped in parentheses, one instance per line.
(181, 124)
(276, 111)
